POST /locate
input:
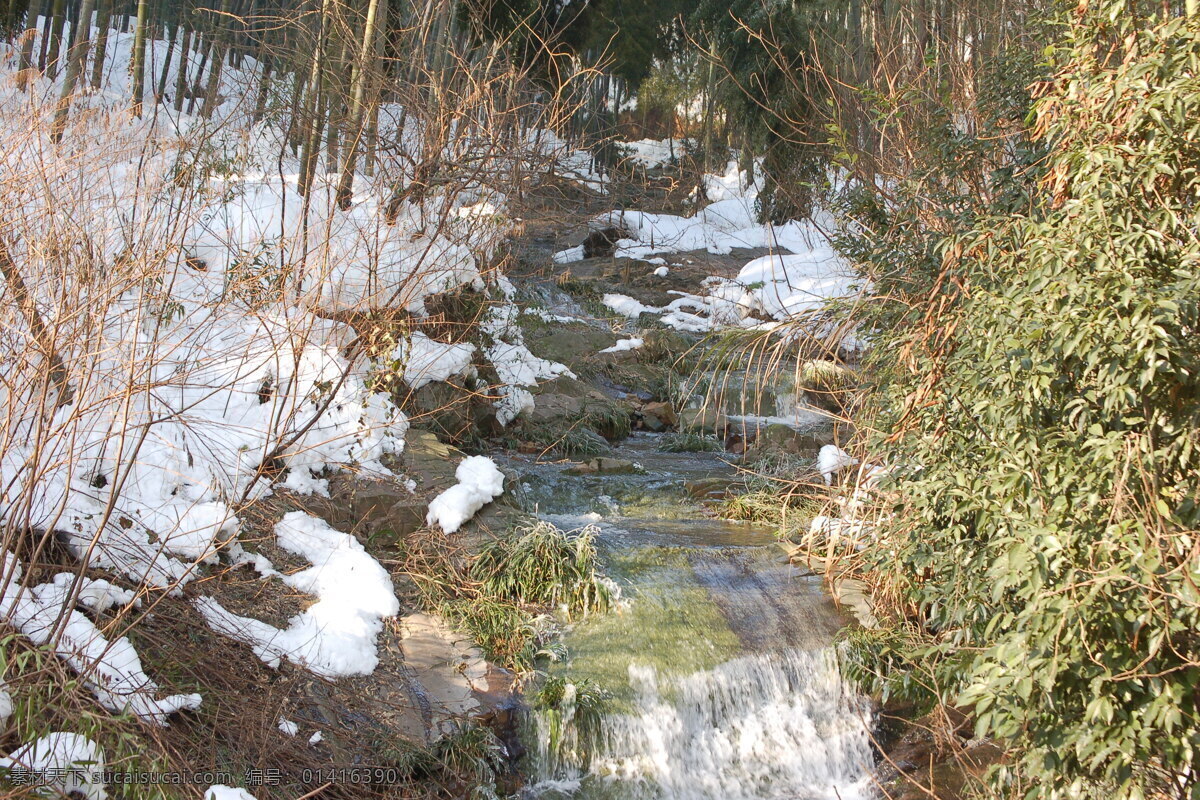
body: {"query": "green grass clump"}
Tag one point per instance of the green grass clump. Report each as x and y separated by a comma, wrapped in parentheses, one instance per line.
(468, 756)
(545, 567)
(689, 442)
(507, 633)
(610, 419)
(573, 712)
(504, 596)
(827, 376)
(759, 505)
(571, 442)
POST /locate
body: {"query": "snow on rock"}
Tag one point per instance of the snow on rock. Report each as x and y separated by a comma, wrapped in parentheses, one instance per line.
(427, 360)
(570, 255)
(479, 483)
(94, 594)
(660, 272)
(229, 392)
(632, 343)
(111, 669)
(627, 306)
(516, 366)
(336, 635)
(222, 792)
(832, 459)
(783, 286)
(67, 764)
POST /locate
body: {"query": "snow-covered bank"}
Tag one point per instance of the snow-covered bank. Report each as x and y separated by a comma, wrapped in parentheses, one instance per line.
(182, 341)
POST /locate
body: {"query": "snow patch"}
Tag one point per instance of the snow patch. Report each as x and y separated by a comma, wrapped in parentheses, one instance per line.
(479, 482)
(632, 343)
(67, 764)
(112, 670)
(335, 636)
(427, 360)
(832, 459)
(222, 792)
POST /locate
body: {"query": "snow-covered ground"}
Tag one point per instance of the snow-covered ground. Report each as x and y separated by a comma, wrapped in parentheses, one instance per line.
(200, 309)
(801, 276)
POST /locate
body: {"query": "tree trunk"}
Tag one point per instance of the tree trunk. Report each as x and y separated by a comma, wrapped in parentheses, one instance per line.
(315, 105)
(181, 76)
(53, 44)
(30, 34)
(57, 371)
(75, 63)
(218, 61)
(103, 21)
(138, 67)
(161, 90)
(358, 83)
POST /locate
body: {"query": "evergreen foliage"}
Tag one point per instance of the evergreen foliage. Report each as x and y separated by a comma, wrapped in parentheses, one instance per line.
(1039, 391)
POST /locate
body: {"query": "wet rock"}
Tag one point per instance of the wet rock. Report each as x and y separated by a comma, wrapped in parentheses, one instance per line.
(449, 668)
(571, 345)
(451, 410)
(602, 243)
(703, 420)
(708, 488)
(562, 399)
(430, 462)
(658, 417)
(604, 466)
(778, 438)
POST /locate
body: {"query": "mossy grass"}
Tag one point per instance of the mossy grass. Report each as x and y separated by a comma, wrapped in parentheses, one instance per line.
(690, 442)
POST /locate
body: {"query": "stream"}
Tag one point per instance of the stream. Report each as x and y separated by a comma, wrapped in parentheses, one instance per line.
(718, 665)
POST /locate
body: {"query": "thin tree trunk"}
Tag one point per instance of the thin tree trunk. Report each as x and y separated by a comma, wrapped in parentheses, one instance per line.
(181, 75)
(264, 82)
(219, 50)
(37, 326)
(75, 63)
(30, 34)
(161, 89)
(53, 44)
(316, 103)
(138, 67)
(358, 83)
(103, 21)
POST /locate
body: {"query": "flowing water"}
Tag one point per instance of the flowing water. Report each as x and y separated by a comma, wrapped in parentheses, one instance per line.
(720, 678)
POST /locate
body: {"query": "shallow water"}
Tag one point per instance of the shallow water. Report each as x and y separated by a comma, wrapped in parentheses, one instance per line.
(721, 677)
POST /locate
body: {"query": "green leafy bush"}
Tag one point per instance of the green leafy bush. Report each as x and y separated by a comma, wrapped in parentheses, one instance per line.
(1042, 404)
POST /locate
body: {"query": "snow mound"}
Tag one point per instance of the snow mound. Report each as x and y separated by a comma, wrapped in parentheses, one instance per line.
(479, 483)
(516, 366)
(427, 360)
(67, 764)
(632, 343)
(652, 153)
(627, 306)
(335, 636)
(831, 460)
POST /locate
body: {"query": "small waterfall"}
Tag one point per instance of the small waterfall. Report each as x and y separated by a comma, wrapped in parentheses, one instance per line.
(765, 726)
